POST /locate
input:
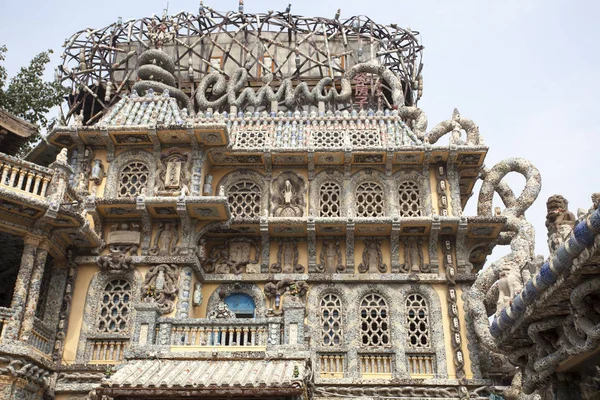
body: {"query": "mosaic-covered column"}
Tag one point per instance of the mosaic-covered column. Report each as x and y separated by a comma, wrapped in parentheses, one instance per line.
(34, 291)
(19, 298)
(185, 292)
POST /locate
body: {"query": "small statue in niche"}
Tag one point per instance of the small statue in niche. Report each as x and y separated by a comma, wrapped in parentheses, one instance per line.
(287, 195)
(165, 241)
(207, 188)
(413, 256)
(84, 171)
(331, 257)
(559, 221)
(509, 285)
(372, 257)
(97, 175)
(173, 173)
(233, 257)
(197, 295)
(160, 286)
(287, 258)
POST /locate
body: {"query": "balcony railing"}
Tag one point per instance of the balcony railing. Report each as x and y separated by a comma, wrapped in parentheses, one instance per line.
(24, 176)
(332, 365)
(420, 365)
(107, 351)
(42, 337)
(376, 365)
(208, 334)
(5, 316)
(302, 131)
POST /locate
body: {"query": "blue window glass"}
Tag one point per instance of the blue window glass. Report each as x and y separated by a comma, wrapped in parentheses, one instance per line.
(241, 304)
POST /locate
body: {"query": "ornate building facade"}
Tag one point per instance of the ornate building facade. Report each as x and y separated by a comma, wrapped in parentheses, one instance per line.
(251, 206)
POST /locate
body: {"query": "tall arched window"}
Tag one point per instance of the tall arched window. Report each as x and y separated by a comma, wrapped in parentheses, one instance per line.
(375, 321)
(409, 199)
(331, 320)
(114, 307)
(369, 200)
(329, 200)
(244, 199)
(133, 179)
(417, 322)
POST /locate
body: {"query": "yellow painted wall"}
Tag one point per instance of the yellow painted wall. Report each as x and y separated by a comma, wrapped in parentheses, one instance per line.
(85, 273)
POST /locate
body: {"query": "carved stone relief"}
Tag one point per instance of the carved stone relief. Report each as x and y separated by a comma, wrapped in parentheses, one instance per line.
(174, 174)
(221, 311)
(233, 257)
(372, 259)
(160, 286)
(287, 195)
(165, 241)
(413, 256)
(331, 257)
(287, 258)
(295, 289)
(123, 241)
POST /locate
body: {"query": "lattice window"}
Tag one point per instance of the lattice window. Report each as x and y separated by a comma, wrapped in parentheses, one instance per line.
(244, 199)
(326, 139)
(249, 139)
(133, 179)
(409, 199)
(417, 321)
(114, 307)
(369, 200)
(365, 138)
(329, 200)
(331, 320)
(375, 321)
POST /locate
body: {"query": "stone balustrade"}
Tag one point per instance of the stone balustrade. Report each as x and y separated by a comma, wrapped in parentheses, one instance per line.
(5, 316)
(24, 176)
(332, 365)
(421, 364)
(211, 334)
(303, 131)
(41, 337)
(107, 351)
(376, 365)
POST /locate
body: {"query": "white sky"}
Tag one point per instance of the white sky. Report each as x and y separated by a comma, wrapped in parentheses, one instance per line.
(526, 71)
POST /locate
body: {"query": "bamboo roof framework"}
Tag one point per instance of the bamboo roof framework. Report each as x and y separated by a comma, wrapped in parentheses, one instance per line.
(100, 65)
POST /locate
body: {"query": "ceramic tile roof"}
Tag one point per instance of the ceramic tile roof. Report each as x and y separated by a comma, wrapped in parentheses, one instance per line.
(150, 109)
(209, 374)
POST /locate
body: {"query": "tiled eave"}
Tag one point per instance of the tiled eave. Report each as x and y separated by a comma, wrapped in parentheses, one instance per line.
(201, 378)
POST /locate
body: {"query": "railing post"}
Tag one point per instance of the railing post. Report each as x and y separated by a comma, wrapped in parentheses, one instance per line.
(144, 330)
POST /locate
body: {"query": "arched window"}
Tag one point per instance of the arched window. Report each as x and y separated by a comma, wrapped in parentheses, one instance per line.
(241, 305)
(331, 320)
(329, 200)
(244, 199)
(375, 321)
(369, 200)
(417, 322)
(114, 307)
(133, 179)
(408, 199)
